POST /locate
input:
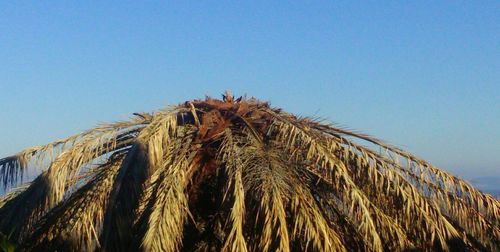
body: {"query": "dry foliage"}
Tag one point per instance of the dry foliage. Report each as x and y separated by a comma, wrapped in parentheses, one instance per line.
(237, 175)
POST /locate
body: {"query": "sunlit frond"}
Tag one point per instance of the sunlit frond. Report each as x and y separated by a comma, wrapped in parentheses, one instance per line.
(231, 152)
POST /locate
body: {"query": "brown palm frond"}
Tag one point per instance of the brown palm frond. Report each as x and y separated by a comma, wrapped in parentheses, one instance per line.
(237, 175)
(403, 193)
(267, 178)
(418, 208)
(400, 178)
(74, 224)
(126, 198)
(169, 211)
(11, 168)
(312, 225)
(12, 194)
(231, 152)
(370, 218)
(426, 172)
(51, 186)
(123, 200)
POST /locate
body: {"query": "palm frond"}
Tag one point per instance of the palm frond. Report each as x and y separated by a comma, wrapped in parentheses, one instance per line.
(170, 210)
(171, 153)
(12, 194)
(74, 224)
(369, 218)
(235, 240)
(441, 179)
(237, 175)
(50, 187)
(124, 200)
(266, 176)
(11, 169)
(418, 190)
(127, 197)
(312, 224)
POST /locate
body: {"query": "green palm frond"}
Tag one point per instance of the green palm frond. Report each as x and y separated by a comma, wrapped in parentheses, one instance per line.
(237, 175)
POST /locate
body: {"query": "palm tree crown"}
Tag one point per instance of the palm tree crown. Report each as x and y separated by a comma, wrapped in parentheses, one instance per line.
(237, 175)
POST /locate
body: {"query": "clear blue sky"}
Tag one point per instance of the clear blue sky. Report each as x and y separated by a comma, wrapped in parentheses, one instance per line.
(423, 75)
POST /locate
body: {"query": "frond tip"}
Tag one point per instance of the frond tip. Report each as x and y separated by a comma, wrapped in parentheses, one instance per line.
(237, 175)
(11, 170)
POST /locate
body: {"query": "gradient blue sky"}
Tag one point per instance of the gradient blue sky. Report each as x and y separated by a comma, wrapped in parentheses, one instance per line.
(423, 75)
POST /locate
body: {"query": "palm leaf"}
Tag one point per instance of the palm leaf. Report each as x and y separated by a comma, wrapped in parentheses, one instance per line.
(237, 175)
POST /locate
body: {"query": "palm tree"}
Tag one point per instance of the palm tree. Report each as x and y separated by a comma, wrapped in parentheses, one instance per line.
(237, 175)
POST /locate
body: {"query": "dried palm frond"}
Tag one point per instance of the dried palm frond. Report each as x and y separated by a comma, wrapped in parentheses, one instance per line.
(12, 194)
(267, 178)
(369, 218)
(124, 199)
(231, 152)
(74, 224)
(11, 168)
(50, 187)
(237, 175)
(169, 210)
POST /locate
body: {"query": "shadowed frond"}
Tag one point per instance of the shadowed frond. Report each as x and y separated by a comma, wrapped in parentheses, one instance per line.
(12, 194)
(117, 231)
(75, 224)
(237, 175)
(267, 178)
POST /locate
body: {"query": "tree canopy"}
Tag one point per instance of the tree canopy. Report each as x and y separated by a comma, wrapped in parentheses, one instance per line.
(237, 175)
